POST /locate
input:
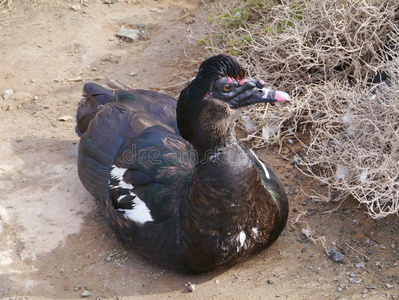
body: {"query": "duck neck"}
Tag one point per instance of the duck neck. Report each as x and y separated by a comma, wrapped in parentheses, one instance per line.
(213, 128)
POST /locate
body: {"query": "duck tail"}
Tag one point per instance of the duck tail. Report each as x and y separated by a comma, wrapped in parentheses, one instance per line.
(93, 96)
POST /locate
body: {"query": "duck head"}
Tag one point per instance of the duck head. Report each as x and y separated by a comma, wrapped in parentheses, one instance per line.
(242, 92)
(205, 110)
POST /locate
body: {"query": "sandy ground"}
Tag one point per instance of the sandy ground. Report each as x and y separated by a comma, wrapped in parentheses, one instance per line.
(54, 242)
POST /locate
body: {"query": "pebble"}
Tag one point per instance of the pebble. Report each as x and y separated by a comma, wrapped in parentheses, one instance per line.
(75, 7)
(157, 10)
(217, 281)
(336, 255)
(364, 291)
(65, 118)
(360, 265)
(389, 286)
(130, 34)
(86, 293)
(371, 287)
(270, 281)
(132, 73)
(7, 93)
(352, 280)
(109, 1)
(190, 286)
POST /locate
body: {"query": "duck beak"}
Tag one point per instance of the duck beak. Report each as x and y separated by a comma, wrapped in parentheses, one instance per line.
(256, 92)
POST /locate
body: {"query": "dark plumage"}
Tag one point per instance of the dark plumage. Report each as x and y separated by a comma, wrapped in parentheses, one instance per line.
(174, 182)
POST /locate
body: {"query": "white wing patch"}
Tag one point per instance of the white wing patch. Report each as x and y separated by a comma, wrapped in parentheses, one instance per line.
(140, 212)
(117, 173)
(262, 164)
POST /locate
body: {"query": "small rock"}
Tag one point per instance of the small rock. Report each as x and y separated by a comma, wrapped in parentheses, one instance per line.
(217, 281)
(352, 280)
(130, 34)
(18, 140)
(65, 118)
(132, 73)
(76, 288)
(7, 93)
(353, 274)
(336, 255)
(190, 286)
(371, 287)
(270, 281)
(157, 10)
(305, 202)
(364, 291)
(339, 289)
(86, 293)
(108, 258)
(75, 7)
(360, 265)
(109, 1)
(389, 286)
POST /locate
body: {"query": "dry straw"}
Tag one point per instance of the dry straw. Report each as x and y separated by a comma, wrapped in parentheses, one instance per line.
(331, 56)
(5, 5)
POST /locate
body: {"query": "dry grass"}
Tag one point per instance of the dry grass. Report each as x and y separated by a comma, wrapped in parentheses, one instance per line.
(5, 5)
(326, 53)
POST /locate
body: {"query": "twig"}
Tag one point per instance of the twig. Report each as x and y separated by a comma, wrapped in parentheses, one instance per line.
(365, 256)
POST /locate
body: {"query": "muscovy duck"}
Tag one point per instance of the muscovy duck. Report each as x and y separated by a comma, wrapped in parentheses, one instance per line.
(172, 178)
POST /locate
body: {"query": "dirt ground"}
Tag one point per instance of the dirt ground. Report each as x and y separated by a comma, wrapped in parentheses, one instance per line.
(54, 243)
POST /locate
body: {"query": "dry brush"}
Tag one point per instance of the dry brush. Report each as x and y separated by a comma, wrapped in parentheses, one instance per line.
(338, 59)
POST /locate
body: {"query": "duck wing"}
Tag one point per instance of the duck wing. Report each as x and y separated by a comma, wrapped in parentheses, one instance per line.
(131, 155)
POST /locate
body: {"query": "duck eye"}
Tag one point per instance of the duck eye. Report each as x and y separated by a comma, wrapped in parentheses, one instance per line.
(226, 88)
